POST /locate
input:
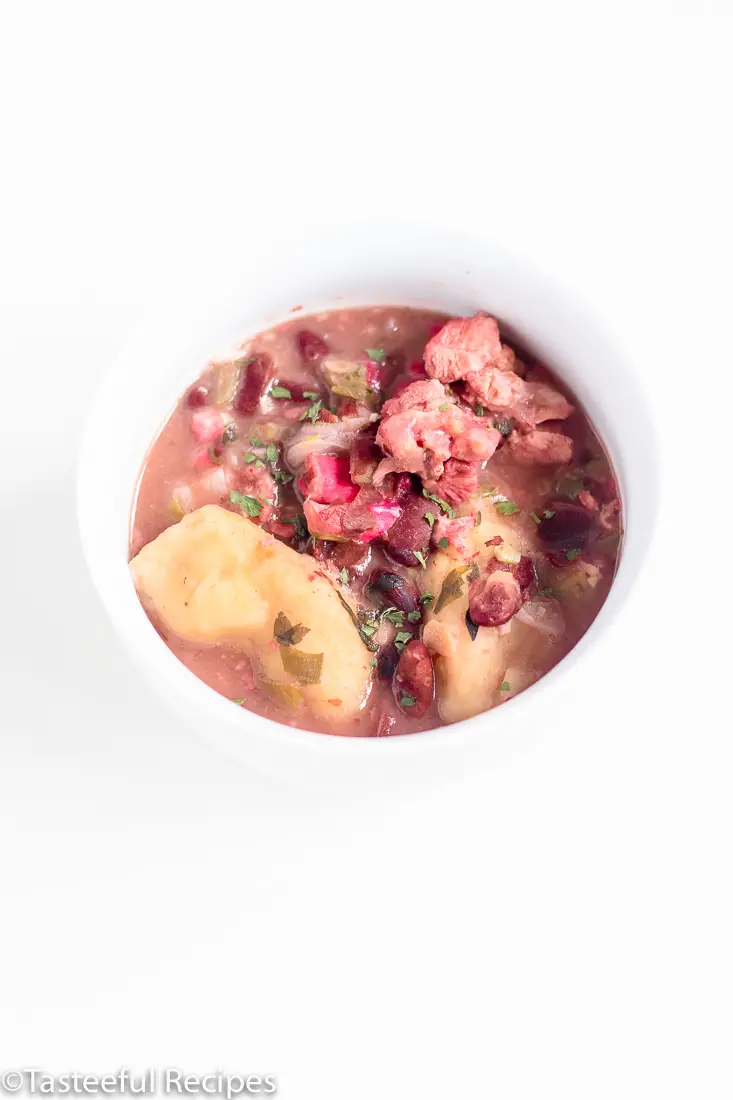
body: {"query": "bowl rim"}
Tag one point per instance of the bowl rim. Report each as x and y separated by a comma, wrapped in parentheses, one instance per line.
(148, 649)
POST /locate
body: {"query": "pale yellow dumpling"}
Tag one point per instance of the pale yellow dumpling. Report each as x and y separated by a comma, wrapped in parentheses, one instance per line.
(218, 577)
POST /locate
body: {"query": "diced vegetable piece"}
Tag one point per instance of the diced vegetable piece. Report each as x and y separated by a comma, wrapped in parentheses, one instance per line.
(506, 553)
(326, 479)
(175, 509)
(226, 380)
(347, 378)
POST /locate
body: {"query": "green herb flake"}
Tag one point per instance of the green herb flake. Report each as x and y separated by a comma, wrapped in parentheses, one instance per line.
(250, 505)
(407, 700)
(420, 555)
(505, 686)
(376, 354)
(229, 434)
(253, 442)
(301, 527)
(271, 452)
(427, 599)
(368, 629)
(478, 520)
(451, 589)
(549, 592)
(573, 554)
(444, 406)
(311, 413)
(445, 506)
(251, 459)
(285, 633)
(506, 507)
(392, 615)
(362, 631)
(430, 518)
(479, 410)
(504, 425)
(535, 517)
(304, 667)
(280, 391)
(373, 663)
(310, 395)
(239, 702)
(283, 478)
(443, 543)
(344, 576)
(414, 616)
(548, 514)
(402, 639)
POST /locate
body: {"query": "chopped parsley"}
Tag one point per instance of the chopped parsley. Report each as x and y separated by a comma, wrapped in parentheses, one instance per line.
(548, 514)
(229, 434)
(506, 507)
(443, 543)
(444, 406)
(311, 413)
(373, 663)
(549, 592)
(427, 599)
(310, 395)
(252, 459)
(535, 517)
(376, 354)
(239, 702)
(445, 506)
(271, 452)
(280, 391)
(489, 491)
(402, 639)
(282, 477)
(414, 616)
(479, 410)
(344, 576)
(407, 700)
(573, 554)
(253, 442)
(478, 520)
(392, 615)
(505, 686)
(420, 555)
(430, 518)
(250, 505)
(368, 629)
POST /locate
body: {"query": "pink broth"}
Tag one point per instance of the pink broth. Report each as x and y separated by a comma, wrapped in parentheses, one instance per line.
(229, 434)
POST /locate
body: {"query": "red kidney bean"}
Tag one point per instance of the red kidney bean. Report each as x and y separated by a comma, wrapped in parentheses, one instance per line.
(392, 590)
(411, 531)
(387, 662)
(257, 375)
(311, 347)
(197, 396)
(568, 528)
(414, 680)
(493, 598)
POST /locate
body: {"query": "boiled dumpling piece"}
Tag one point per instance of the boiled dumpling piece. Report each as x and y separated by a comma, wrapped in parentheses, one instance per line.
(217, 577)
(468, 673)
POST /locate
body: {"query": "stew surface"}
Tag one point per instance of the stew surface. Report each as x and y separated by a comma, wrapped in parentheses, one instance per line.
(375, 521)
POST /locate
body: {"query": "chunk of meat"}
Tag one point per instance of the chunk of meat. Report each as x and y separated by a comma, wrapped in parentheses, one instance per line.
(494, 597)
(414, 680)
(462, 345)
(367, 517)
(217, 577)
(529, 403)
(422, 428)
(539, 447)
(412, 530)
(452, 535)
(459, 481)
(326, 479)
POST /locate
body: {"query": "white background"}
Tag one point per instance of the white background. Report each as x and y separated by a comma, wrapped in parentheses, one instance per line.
(559, 926)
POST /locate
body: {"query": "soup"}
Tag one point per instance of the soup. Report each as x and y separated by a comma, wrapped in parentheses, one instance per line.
(375, 521)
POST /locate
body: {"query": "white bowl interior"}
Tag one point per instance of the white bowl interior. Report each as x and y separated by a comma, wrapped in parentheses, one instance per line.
(364, 265)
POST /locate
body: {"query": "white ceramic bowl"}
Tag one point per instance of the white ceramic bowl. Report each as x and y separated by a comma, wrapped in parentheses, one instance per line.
(364, 264)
